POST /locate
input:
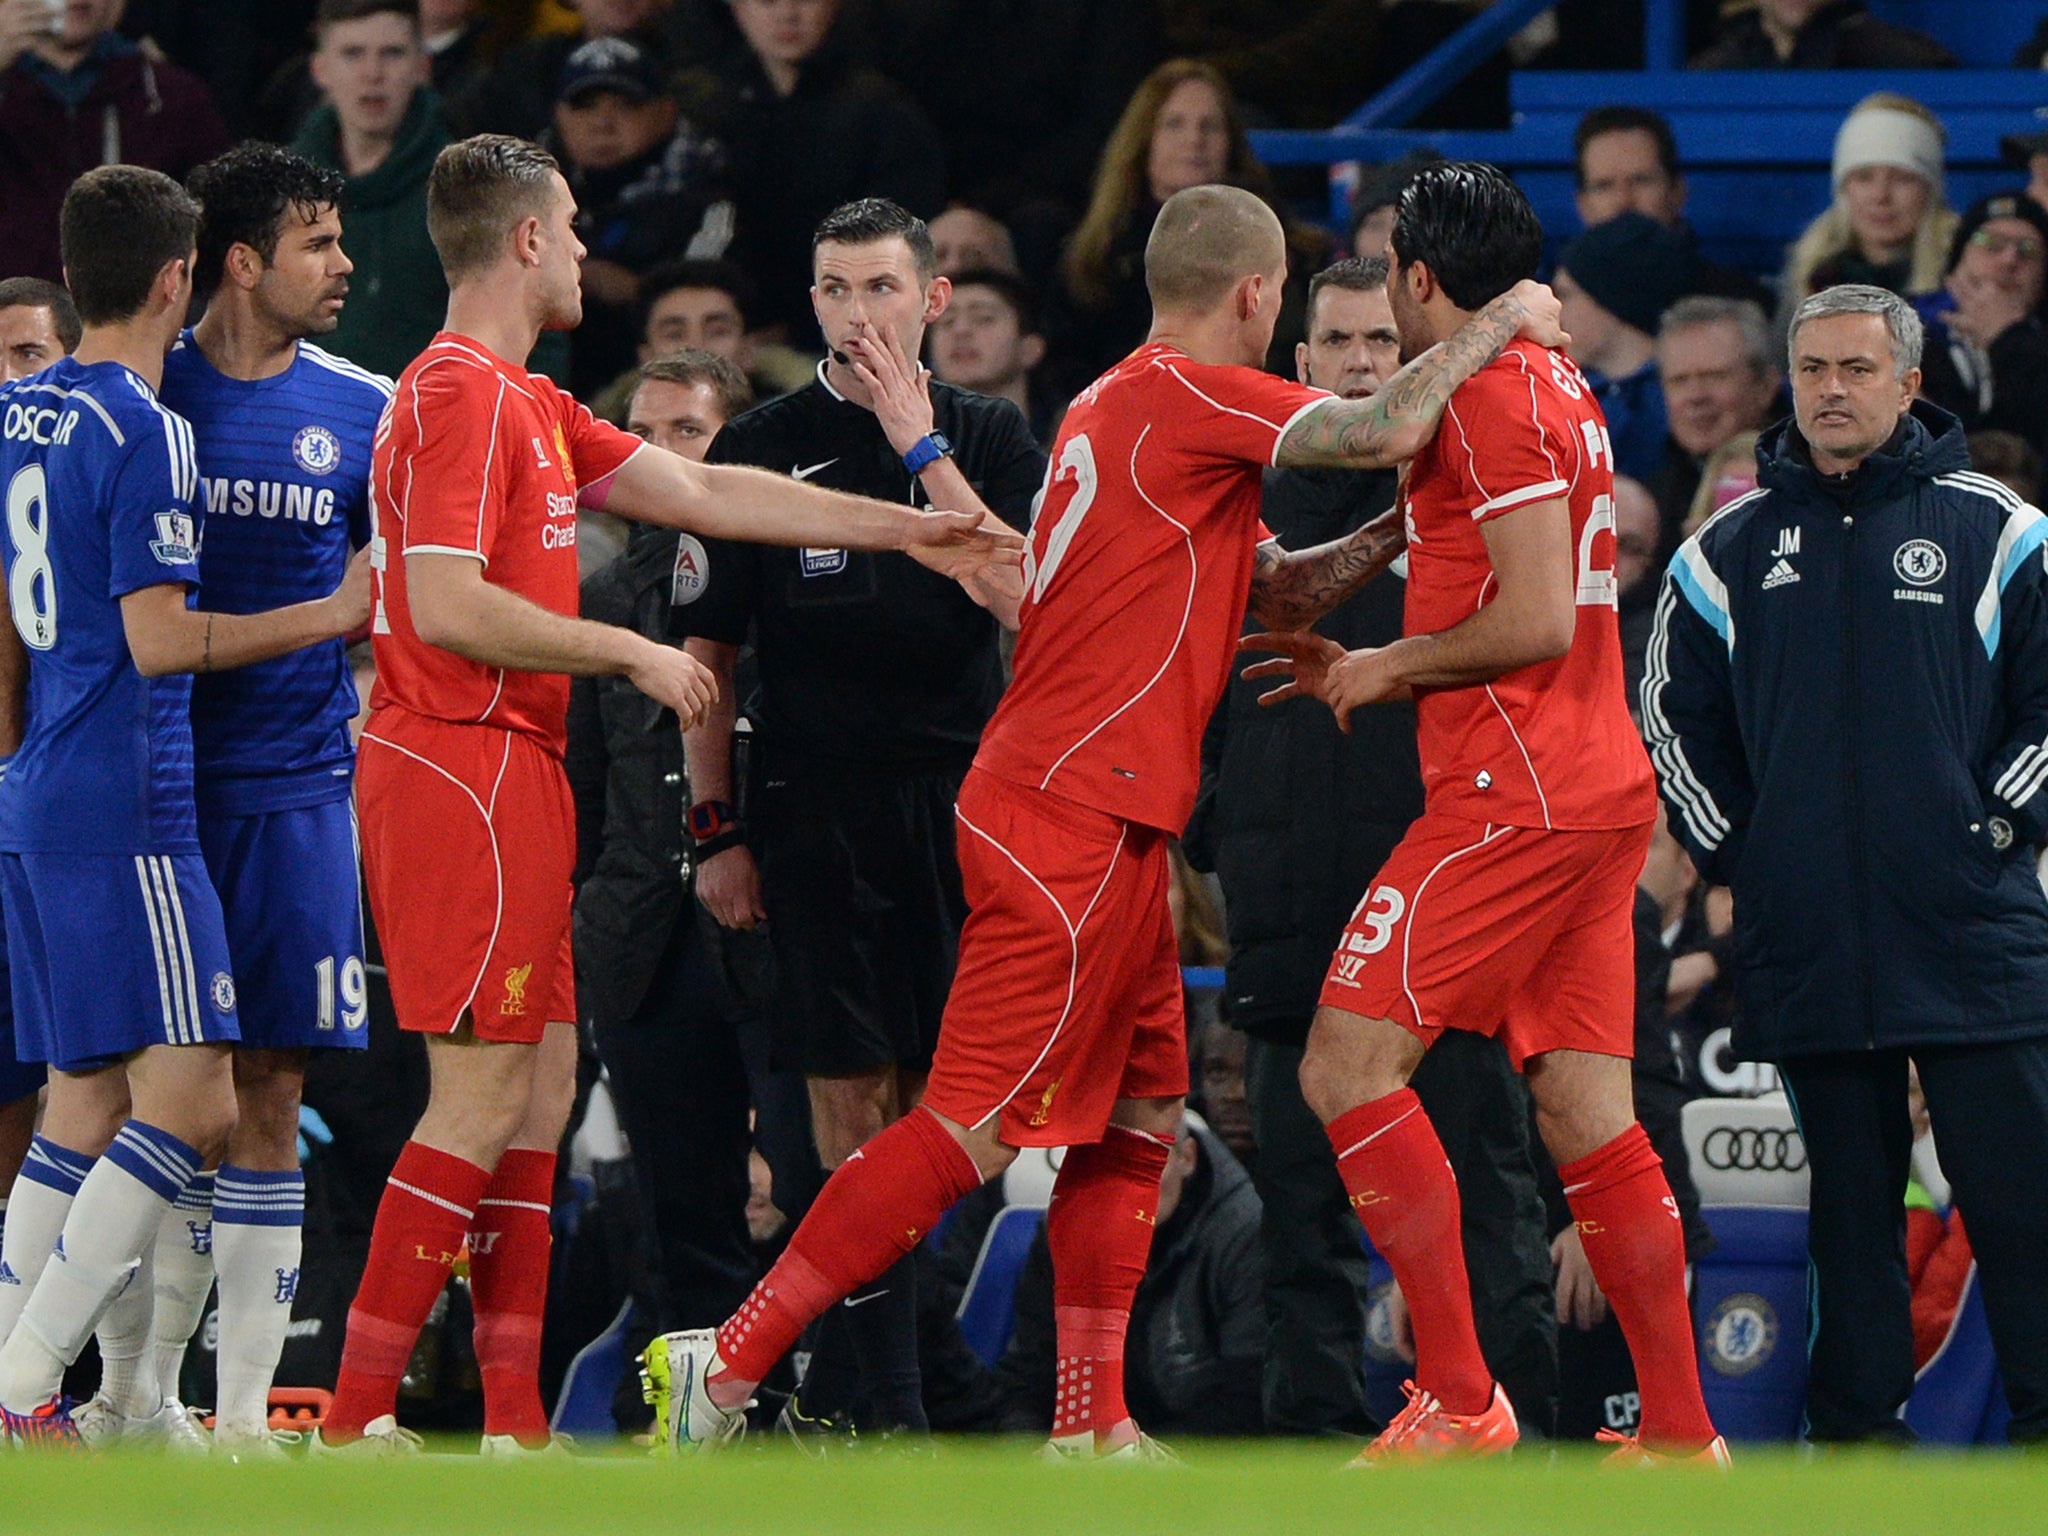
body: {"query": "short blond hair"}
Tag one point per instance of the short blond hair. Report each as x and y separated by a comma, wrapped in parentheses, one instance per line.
(480, 187)
(1206, 241)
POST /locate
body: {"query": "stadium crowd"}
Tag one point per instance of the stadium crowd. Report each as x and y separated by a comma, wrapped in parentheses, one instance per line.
(881, 245)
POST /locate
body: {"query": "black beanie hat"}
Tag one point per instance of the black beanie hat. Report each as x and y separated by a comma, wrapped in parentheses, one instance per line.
(1631, 266)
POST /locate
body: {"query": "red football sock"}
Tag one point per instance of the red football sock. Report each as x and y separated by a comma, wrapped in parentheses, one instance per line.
(420, 1224)
(870, 1213)
(509, 1241)
(1636, 1244)
(1105, 1204)
(1403, 1189)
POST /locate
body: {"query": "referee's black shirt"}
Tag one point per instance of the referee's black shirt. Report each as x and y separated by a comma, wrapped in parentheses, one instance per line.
(866, 658)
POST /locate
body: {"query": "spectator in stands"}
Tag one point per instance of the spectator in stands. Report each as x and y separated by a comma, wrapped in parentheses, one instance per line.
(970, 240)
(1615, 281)
(648, 185)
(1987, 350)
(455, 34)
(1719, 371)
(1819, 34)
(1729, 473)
(381, 128)
(79, 96)
(1195, 1350)
(649, 976)
(1889, 224)
(1295, 818)
(704, 305)
(988, 340)
(2029, 152)
(1638, 544)
(38, 325)
(2009, 459)
(810, 130)
(1219, 1053)
(1861, 769)
(517, 96)
(1626, 161)
(1181, 129)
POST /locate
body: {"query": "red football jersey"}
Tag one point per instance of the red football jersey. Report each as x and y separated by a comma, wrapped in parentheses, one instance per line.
(1552, 745)
(1136, 580)
(478, 457)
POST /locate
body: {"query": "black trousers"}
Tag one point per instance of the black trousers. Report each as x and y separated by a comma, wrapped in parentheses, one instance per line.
(680, 1081)
(1989, 1104)
(1316, 1271)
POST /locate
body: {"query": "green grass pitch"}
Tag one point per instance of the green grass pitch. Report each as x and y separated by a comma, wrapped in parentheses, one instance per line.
(984, 1489)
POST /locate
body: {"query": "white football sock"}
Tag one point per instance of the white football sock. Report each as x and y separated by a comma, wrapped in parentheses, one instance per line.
(112, 1222)
(127, 1362)
(184, 1278)
(256, 1225)
(37, 1205)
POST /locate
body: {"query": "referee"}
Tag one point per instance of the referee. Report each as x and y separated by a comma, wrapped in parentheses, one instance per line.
(876, 680)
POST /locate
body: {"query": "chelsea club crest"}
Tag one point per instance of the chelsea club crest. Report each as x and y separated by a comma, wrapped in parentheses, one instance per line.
(316, 450)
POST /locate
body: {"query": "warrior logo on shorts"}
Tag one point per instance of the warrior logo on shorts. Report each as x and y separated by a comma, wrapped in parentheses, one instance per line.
(316, 450)
(515, 991)
(223, 990)
(1044, 1110)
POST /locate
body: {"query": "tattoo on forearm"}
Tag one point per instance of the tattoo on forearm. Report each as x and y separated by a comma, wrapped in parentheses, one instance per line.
(1381, 430)
(1293, 591)
(206, 655)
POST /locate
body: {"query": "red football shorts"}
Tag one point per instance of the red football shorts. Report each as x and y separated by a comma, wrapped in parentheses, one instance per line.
(469, 841)
(1067, 996)
(1508, 931)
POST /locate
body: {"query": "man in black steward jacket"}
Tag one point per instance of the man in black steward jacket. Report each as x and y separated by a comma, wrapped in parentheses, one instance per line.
(665, 1021)
(1847, 704)
(876, 680)
(1295, 818)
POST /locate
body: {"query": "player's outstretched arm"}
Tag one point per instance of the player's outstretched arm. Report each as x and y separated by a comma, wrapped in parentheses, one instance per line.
(754, 506)
(1291, 589)
(1392, 426)
(1531, 620)
(165, 637)
(453, 607)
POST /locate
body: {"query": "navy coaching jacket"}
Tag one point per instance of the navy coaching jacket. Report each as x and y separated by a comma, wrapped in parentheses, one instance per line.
(1846, 700)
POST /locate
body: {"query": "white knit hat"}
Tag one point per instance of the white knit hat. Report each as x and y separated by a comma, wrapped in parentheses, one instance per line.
(1888, 136)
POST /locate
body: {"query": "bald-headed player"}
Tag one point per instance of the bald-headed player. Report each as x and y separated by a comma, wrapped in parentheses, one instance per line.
(1064, 1026)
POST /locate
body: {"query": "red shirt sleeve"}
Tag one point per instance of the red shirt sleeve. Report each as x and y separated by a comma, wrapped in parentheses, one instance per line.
(1239, 415)
(450, 475)
(597, 449)
(1520, 455)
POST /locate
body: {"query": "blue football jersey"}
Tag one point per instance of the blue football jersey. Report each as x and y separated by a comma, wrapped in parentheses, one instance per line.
(284, 470)
(98, 481)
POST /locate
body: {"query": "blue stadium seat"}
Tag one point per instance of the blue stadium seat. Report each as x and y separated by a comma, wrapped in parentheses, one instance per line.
(988, 1309)
(1749, 1300)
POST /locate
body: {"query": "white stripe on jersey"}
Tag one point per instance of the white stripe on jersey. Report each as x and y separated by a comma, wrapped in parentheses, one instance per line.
(98, 410)
(321, 358)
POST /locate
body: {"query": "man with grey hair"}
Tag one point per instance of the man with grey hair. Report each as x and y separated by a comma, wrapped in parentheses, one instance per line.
(1847, 704)
(1721, 378)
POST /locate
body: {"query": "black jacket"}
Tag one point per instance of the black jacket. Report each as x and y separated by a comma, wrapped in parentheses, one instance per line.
(625, 766)
(1847, 704)
(1196, 1348)
(1293, 816)
(1839, 36)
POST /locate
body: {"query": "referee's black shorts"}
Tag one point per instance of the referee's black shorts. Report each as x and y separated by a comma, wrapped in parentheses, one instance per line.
(862, 888)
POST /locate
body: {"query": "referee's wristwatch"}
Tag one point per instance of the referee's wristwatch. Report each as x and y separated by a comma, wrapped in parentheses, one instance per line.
(714, 828)
(926, 452)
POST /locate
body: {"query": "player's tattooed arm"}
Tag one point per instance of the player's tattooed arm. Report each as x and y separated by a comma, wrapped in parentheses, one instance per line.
(165, 637)
(1292, 589)
(1394, 425)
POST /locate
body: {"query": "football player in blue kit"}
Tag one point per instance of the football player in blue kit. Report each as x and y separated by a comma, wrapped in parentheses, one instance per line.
(38, 325)
(118, 945)
(283, 432)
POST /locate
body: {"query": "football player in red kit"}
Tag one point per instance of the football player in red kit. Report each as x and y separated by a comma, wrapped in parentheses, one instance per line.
(1064, 1025)
(1507, 907)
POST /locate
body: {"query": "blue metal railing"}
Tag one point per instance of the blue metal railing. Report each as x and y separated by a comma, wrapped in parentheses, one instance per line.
(1419, 86)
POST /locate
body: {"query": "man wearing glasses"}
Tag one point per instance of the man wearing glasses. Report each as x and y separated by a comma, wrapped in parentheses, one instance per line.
(1987, 349)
